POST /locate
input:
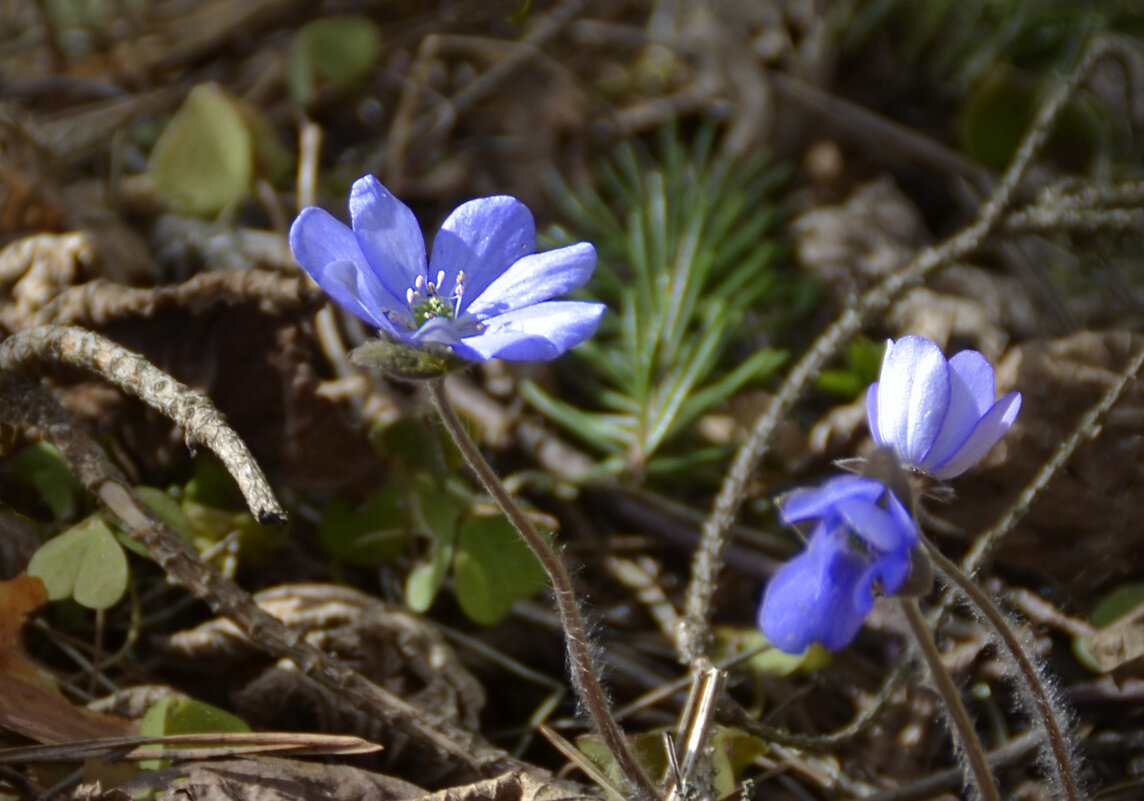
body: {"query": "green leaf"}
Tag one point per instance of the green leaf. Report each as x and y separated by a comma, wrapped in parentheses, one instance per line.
(212, 485)
(367, 535)
(647, 748)
(41, 468)
(204, 159)
(732, 752)
(493, 568)
(85, 563)
(170, 511)
(730, 642)
(425, 579)
(337, 51)
(182, 715)
(1116, 604)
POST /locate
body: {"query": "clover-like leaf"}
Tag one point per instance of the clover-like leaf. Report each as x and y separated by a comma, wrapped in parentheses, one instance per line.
(493, 568)
(85, 563)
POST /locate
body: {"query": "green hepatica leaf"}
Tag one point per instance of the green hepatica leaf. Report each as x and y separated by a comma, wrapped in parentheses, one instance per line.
(85, 563)
(204, 159)
(337, 51)
(182, 715)
(493, 568)
(367, 535)
(437, 514)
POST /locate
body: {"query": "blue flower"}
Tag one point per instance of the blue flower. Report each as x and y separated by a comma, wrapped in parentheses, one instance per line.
(860, 544)
(482, 294)
(938, 415)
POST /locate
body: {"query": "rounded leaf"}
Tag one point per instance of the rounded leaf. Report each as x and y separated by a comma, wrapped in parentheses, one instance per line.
(85, 563)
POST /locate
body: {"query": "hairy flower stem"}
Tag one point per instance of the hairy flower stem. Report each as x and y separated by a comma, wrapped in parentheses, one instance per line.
(970, 746)
(1035, 692)
(584, 676)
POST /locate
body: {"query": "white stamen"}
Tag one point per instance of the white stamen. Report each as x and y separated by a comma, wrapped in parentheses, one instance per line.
(458, 293)
(420, 284)
(440, 278)
(409, 296)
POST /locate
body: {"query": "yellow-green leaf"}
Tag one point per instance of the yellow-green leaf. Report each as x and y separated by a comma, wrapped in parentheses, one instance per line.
(204, 159)
(85, 563)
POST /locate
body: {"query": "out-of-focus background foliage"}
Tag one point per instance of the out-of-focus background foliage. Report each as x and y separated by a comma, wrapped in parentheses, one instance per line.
(745, 169)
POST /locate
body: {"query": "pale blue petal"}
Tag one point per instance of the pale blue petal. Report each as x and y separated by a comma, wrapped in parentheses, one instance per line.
(991, 428)
(389, 235)
(913, 396)
(872, 413)
(962, 415)
(482, 238)
(977, 372)
(542, 331)
(535, 278)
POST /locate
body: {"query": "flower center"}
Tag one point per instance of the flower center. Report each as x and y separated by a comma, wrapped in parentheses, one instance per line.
(425, 301)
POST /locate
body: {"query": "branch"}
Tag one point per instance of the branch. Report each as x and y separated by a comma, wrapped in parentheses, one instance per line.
(23, 354)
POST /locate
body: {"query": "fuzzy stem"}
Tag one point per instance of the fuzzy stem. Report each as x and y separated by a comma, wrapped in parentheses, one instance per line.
(584, 677)
(975, 757)
(1043, 706)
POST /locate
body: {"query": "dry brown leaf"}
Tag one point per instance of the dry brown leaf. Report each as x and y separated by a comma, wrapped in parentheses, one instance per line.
(510, 787)
(31, 703)
(261, 779)
(388, 645)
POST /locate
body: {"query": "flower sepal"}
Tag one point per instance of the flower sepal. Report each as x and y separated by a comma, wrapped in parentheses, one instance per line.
(405, 362)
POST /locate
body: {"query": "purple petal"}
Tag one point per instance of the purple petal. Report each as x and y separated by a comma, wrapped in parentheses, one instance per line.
(872, 413)
(889, 570)
(913, 396)
(535, 278)
(389, 235)
(817, 596)
(963, 414)
(542, 331)
(985, 434)
(339, 280)
(317, 238)
(820, 502)
(903, 520)
(872, 524)
(482, 238)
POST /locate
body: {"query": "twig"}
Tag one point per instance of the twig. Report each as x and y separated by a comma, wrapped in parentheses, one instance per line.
(185, 568)
(25, 353)
(732, 714)
(977, 764)
(99, 302)
(584, 675)
(694, 631)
